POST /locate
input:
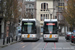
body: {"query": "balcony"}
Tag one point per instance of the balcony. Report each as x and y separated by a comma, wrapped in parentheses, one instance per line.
(43, 10)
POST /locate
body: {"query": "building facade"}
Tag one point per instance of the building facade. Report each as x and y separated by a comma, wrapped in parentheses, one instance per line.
(51, 9)
(63, 25)
(30, 8)
(44, 10)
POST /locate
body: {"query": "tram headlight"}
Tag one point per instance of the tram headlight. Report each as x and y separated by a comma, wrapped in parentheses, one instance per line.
(54, 35)
(23, 35)
(46, 36)
(33, 35)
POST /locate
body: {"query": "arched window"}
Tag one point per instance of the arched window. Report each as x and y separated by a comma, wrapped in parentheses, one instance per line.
(44, 6)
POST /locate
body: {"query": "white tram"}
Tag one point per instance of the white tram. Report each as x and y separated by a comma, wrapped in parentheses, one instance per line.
(50, 30)
(30, 29)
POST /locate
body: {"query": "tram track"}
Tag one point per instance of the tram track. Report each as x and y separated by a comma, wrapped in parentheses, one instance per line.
(44, 48)
(54, 45)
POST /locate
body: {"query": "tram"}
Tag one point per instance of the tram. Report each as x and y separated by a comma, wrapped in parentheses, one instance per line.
(30, 29)
(50, 30)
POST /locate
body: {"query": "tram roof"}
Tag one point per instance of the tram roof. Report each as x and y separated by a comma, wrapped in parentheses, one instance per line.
(50, 20)
(28, 19)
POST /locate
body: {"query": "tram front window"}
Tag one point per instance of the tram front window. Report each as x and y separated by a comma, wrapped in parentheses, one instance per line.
(28, 28)
(50, 28)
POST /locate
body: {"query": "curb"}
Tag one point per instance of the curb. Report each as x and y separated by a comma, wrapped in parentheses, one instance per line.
(8, 44)
(73, 44)
(3, 46)
(67, 40)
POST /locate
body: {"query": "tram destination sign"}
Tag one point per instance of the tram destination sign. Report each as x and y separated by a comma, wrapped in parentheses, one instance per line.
(28, 23)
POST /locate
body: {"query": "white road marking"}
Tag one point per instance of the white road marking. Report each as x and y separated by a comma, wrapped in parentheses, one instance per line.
(37, 46)
(23, 46)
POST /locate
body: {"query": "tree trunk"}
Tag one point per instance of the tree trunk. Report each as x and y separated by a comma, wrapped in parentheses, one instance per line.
(4, 29)
(9, 29)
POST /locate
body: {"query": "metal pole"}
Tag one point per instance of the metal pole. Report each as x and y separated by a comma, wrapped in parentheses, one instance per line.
(49, 13)
(51, 16)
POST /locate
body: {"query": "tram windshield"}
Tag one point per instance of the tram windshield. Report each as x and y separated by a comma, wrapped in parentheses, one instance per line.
(28, 27)
(50, 27)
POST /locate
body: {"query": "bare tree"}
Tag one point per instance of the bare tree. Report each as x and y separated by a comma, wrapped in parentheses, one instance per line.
(69, 13)
(11, 14)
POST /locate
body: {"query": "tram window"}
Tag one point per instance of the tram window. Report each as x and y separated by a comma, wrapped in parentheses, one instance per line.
(28, 27)
(50, 28)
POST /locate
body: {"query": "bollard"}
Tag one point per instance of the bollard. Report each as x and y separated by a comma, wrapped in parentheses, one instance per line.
(3, 41)
(7, 40)
(74, 41)
(20, 39)
(16, 38)
(12, 39)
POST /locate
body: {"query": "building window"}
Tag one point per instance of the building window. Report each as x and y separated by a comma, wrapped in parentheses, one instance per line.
(26, 5)
(41, 17)
(44, 6)
(55, 17)
(60, 6)
(30, 0)
(46, 16)
(29, 5)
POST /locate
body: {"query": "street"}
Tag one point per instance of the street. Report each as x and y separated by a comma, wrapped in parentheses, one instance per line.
(30, 19)
(62, 44)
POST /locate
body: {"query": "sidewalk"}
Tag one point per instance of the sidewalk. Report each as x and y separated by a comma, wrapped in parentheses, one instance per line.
(1, 42)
